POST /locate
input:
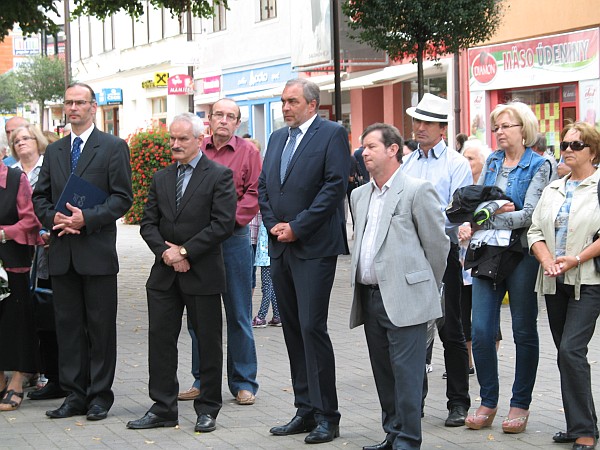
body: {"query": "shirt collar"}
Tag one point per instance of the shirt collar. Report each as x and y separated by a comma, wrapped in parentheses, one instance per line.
(231, 144)
(84, 136)
(387, 184)
(194, 162)
(306, 125)
(437, 150)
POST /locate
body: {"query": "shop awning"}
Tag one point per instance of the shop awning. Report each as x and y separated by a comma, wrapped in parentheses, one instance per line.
(391, 74)
(276, 91)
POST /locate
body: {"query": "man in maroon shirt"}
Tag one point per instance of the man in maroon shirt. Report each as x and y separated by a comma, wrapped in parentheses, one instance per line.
(245, 162)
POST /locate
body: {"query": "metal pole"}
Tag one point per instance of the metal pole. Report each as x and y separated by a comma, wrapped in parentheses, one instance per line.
(457, 93)
(190, 38)
(336, 59)
(67, 27)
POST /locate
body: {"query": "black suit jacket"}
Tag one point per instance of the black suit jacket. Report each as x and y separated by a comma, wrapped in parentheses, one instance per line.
(311, 197)
(206, 217)
(104, 162)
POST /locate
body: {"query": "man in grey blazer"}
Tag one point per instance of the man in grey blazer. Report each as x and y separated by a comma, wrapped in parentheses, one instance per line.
(397, 271)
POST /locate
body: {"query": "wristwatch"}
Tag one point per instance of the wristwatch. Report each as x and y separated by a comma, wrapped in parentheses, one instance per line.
(2, 236)
(183, 252)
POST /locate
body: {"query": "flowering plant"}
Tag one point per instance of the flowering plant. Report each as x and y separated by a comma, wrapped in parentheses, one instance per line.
(150, 151)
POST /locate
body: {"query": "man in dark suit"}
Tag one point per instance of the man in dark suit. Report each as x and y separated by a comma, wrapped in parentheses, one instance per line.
(301, 196)
(190, 211)
(83, 259)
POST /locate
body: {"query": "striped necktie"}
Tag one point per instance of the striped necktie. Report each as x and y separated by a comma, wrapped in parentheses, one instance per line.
(179, 186)
(288, 152)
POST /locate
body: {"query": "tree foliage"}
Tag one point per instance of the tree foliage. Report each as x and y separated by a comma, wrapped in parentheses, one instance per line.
(42, 79)
(32, 16)
(421, 29)
(11, 94)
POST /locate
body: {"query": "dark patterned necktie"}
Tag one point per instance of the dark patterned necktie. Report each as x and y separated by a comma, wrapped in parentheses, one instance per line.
(75, 153)
(288, 151)
(179, 185)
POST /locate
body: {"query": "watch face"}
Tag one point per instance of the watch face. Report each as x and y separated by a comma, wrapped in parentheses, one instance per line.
(182, 251)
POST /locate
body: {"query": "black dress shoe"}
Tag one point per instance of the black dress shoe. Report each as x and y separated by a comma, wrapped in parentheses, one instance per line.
(385, 445)
(151, 420)
(205, 423)
(457, 416)
(97, 412)
(577, 446)
(565, 437)
(51, 390)
(324, 432)
(65, 410)
(295, 426)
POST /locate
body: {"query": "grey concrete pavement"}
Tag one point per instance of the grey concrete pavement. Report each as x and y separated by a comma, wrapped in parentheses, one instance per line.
(247, 427)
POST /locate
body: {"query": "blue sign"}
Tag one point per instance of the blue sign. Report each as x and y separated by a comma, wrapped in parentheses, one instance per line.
(112, 96)
(257, 79)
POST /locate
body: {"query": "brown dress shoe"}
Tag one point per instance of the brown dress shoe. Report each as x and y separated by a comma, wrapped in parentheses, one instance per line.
(191, 394)
(245, 397)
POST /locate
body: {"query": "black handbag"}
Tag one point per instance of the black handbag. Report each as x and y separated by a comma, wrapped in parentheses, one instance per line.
(597, 258)
(43, 299)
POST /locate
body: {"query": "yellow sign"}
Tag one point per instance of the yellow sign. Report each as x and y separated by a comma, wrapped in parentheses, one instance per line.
(148, 84)
(161, 78)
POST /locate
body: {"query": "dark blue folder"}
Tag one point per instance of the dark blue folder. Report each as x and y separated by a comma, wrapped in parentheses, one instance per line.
(81, 194)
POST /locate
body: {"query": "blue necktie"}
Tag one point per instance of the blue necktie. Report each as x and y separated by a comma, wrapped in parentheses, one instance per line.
(179, 185)
(75, 152)
(288, 151)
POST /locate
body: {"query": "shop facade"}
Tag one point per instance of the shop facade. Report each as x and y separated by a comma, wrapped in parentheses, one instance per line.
(558, 76)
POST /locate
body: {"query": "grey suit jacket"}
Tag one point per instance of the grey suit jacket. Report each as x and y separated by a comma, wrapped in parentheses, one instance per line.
(411, 249)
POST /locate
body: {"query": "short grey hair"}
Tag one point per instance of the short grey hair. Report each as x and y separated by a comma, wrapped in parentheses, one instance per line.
(194, 120)
(310, 90)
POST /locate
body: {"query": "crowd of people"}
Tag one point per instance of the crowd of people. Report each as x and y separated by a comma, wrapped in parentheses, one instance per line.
(220, 210)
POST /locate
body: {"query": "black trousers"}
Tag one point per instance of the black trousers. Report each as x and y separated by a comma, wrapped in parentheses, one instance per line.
(165, 310)
(451, 334)
(303, 287)
(572, 323)
(85, 308)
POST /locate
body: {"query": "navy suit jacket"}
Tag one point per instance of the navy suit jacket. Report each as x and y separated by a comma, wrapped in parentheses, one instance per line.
(311, 197)
(104, 163)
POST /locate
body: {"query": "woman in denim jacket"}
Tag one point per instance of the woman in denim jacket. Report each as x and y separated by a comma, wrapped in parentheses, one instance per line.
(522, 174)
(561, 238)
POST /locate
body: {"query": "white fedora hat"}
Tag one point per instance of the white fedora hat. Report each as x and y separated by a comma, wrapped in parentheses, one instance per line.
(431, 108)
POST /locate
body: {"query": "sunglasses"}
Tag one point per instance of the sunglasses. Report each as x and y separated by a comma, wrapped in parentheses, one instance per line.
(575, 145)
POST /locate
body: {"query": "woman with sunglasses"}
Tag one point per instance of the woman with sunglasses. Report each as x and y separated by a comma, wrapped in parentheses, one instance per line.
(522, 175)
(561, 237)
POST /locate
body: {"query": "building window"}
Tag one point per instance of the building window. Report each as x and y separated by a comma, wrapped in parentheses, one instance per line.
(268, 9)
(108, 34)
(159, 110)
(219, 22)
(111, 120)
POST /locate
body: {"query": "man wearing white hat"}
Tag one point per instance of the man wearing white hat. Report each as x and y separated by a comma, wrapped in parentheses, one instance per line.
(447, 170)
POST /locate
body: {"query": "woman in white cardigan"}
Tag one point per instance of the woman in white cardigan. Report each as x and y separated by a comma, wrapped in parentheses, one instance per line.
(561, 237)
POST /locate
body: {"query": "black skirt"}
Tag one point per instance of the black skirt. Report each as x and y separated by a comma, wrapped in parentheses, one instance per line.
(19, 348)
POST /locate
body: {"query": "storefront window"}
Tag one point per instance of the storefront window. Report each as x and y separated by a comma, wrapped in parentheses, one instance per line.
(243, 128)
(436, 86)
(546, 104)
(277, 121)
(159, 110)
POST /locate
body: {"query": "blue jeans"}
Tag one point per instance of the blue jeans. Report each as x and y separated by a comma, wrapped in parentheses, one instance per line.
(241, 352)
(485, 321)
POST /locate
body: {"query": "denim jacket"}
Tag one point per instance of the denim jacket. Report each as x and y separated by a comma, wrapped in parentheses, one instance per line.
(520, 176)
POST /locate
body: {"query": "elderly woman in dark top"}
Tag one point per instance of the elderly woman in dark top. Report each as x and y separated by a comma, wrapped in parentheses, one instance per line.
(522, 175)
(561, 238)
(19, 229)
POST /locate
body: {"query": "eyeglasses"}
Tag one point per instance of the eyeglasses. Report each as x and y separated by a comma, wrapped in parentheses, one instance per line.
(505, 127)
(575, 145)
(219, 116)
(68, 103)
(23, 139)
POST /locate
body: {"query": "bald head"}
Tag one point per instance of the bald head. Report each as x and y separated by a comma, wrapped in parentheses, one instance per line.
(13, 123)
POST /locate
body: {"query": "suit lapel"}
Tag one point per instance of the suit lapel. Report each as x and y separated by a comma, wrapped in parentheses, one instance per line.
(362, 208)
(310, 133)
(198, 176)
(64, 156)
(387, 211)
(88, 154)
(170, 181)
